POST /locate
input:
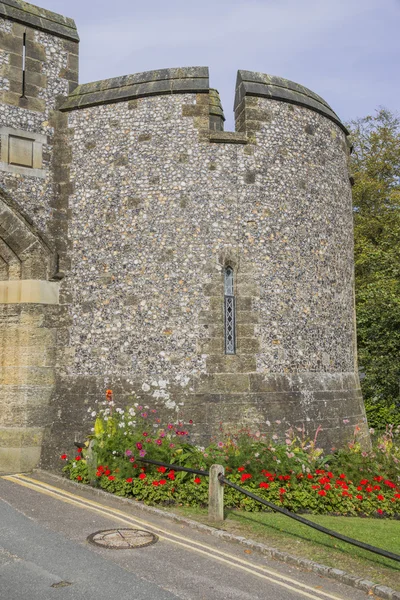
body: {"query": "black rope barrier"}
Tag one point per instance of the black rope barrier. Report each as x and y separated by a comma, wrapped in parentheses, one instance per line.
(276, 508)
(173, 467)
(286, 512)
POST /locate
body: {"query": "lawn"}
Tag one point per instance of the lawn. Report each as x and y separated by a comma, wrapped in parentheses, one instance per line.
(283, 533)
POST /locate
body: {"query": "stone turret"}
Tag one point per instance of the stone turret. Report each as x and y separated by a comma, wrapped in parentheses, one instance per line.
(209, 273)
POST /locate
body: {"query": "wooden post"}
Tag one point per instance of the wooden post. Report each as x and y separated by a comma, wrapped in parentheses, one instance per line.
(216, 495)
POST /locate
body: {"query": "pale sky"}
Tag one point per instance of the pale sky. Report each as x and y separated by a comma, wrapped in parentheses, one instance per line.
(347, 51)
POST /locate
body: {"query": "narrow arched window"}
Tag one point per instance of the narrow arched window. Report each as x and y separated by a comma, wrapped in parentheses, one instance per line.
(229, 316)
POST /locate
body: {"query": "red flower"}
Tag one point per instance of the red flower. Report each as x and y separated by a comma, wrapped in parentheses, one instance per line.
(359, 496)
(389, 484)
(139, 446)
(377, 487)
(327, 486)
(79, 478)
(162, 481)
(397, 496)
(162, 469)
(197, 480)
(245, 476)
(309, 476)
(379, 478)
(346, 494)
(322, 492)
(342, 476)
(145, 434)
(315, 487)
(360, 487)
(282, 491)
(330, 474)
(364, 481)
(379, 511)
(263, 484)
(380, 497)
(241, 469)
(319, 471)
(369, 488)
(77, 458)
(107, 472)
(190, 422)
(142, 476)
(171, 475)
(63, 457)
(155, 482)
(111, 477)
(129, 480)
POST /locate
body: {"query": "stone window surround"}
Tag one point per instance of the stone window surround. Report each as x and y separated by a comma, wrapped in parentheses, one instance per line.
(38, 140)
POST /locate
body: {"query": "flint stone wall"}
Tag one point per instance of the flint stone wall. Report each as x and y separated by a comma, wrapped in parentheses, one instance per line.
(158, 209)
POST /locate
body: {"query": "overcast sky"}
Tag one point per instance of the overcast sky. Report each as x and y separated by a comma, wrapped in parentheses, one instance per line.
(347, 51)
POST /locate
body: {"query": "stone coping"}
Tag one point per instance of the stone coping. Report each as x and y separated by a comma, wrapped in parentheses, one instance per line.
(250, 83)
(185, 80)
(39, 18)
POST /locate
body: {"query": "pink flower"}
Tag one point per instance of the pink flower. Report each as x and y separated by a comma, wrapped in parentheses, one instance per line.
(220, 445)
(159, 442)
(132, 459)
(345, 421)
(128, 452)
(139, 446)
(142, 453)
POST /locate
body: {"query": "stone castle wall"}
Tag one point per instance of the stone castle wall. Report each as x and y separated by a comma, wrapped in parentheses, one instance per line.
(144, 203)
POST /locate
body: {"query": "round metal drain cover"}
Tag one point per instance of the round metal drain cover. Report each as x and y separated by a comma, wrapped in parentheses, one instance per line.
(122, 539)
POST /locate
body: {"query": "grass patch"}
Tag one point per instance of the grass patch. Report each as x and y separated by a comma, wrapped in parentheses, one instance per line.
(285, 534)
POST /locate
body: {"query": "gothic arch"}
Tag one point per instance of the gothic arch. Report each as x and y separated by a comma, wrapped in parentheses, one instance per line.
(24, 253)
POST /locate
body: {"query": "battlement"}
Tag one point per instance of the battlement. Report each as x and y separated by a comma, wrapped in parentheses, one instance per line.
(250, 83)
(39, 18)
(128, 87)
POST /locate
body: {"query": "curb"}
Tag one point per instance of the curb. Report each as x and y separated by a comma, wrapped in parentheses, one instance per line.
(381, 591)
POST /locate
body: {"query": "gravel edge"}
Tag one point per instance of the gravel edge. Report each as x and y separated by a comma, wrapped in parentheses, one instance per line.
(381, 591)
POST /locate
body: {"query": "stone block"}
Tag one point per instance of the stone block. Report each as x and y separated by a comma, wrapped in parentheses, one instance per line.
(246, 317)
(247, 345)
(23, 375)
(233, 382)
(230, 363)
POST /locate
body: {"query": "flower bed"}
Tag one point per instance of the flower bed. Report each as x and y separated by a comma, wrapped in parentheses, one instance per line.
(296, 474)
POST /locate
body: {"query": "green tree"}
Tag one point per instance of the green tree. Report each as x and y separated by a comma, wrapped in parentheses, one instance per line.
(375, 166)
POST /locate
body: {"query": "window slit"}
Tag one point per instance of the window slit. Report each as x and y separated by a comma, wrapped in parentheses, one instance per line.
(23, 65)
(229, 312)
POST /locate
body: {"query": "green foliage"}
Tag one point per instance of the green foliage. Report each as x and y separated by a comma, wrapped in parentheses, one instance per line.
(375, 165)
(295, 474)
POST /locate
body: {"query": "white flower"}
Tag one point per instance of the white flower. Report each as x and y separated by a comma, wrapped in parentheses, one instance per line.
(257, 454)
(121, 425)
(93, 414)
(136, 404)
(268, 423)
(120, 411)
(132, 412)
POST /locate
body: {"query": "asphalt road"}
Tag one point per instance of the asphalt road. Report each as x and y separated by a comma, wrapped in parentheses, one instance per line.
(44, 554)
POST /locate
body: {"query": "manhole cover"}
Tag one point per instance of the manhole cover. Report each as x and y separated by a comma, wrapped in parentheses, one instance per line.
(122, 539)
